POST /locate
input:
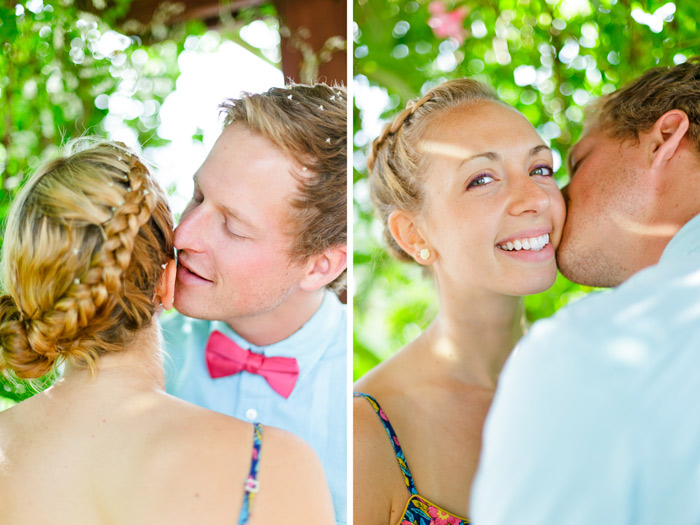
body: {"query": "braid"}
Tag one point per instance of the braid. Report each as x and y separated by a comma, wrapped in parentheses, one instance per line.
(121, 231)
(396, 125)
(395, 164)
(113, 199)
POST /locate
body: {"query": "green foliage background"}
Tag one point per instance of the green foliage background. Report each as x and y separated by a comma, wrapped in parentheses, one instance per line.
(54, 81)
(572, 50)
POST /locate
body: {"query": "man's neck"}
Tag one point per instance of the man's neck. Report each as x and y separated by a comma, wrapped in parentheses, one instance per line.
(280, 322)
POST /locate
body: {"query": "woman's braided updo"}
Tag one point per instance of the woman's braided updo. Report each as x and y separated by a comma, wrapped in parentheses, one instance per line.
(396, 163)
(85, 243)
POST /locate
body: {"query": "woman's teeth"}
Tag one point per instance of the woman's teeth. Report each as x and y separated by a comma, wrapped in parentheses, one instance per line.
(532, 243)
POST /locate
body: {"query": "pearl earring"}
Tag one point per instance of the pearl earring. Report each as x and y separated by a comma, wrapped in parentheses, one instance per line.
(424, 254)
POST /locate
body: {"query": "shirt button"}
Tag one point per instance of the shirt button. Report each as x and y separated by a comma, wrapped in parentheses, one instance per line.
(251, 414)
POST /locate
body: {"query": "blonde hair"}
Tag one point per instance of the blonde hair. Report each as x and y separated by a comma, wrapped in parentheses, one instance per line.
(309, 123)
(395, 164)
(84, 245)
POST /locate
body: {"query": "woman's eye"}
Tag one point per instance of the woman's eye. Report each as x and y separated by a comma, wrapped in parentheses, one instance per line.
(545, 171)
(480, 180)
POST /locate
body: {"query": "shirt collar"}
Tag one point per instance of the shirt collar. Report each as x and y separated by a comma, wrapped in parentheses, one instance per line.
(307, 344)
(685, 242)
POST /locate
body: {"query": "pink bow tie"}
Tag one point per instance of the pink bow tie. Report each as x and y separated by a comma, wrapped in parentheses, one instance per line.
(225, 358)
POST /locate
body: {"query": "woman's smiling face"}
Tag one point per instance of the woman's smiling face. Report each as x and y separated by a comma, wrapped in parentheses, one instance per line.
(492, 214)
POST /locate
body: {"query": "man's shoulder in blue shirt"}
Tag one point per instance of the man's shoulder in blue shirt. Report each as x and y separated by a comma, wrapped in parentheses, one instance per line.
(585, 422)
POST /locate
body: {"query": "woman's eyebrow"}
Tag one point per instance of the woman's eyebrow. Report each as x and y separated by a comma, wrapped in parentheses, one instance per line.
(534, 151)
(489, 155)
(492, 155)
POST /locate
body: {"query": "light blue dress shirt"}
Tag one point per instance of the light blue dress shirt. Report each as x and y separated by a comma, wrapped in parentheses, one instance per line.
(596, 419)
(316, 410)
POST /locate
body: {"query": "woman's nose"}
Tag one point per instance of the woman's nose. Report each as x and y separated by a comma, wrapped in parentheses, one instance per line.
(528, 197)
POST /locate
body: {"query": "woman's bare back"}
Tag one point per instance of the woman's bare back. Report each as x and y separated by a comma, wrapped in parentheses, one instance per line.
(146, 458)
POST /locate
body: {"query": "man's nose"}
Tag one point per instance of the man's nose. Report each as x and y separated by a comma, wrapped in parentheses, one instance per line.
(193, 226)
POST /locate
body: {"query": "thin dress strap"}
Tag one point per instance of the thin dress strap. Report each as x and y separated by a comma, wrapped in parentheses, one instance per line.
(251, 482)
(408, 478)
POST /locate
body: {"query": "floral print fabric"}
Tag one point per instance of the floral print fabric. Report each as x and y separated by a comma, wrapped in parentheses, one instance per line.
(418, 510)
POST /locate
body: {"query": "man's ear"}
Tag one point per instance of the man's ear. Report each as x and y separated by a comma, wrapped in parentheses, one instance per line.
(165, 287)
(408, 236)
(322, 268)
(666, 135)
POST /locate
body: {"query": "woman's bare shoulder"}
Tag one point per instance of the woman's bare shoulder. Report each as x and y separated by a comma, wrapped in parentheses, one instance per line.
(390, 374)
(293, 486)
(181, 463)
(218, 452)
(378, 484)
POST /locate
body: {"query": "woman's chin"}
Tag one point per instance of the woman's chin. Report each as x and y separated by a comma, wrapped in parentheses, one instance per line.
(536, 282)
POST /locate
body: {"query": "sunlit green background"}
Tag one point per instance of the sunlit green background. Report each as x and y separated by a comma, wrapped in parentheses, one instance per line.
(546, 58)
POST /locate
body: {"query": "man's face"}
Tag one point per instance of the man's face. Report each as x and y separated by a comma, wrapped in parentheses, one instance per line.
(234, 237)
(607, 199)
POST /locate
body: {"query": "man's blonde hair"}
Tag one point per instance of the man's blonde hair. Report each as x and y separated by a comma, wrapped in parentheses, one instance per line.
(309, 123)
